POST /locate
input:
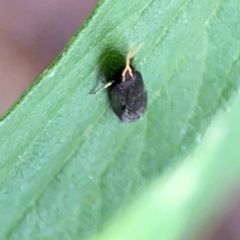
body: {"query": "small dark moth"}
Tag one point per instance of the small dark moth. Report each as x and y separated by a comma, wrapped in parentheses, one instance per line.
(127, 91)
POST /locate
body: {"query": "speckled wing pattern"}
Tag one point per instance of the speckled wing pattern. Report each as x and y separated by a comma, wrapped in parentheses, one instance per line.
(129, 98)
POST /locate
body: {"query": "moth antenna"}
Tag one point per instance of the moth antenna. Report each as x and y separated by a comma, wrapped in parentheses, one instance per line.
(106, 85)
(130, 54)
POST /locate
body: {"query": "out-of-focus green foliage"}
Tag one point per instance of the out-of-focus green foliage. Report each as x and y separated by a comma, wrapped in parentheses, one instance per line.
(182, 204)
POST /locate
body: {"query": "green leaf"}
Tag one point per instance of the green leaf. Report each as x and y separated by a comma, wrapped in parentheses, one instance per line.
(192, 199)
(67, 163)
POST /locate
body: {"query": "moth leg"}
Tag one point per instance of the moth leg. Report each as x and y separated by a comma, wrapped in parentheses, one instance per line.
(106, 85)
(127, 67)
(130, 54)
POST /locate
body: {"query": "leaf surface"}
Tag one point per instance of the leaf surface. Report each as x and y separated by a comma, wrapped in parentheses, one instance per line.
(67, 163)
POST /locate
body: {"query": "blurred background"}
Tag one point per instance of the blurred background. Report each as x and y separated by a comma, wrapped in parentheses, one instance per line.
(33, 33)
